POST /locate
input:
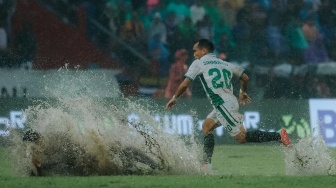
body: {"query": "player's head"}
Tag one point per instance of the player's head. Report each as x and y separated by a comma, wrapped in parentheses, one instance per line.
(202, 47)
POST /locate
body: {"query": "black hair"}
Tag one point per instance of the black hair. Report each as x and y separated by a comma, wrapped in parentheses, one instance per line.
(207, 44)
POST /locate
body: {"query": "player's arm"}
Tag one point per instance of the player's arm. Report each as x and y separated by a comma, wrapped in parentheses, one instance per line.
(243, 97)
(180, 90)
(244, 79)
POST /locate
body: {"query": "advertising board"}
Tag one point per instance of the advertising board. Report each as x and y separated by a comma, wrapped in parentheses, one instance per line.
(187, 117)
(55, 83)
(323, 119)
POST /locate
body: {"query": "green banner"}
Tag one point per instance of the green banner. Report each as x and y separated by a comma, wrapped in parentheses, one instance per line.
(270, 115)
(185, 118)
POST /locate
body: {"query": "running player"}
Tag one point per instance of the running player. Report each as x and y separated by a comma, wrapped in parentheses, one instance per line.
(216, 77)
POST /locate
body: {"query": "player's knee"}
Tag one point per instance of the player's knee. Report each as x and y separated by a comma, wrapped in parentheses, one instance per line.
(207, 128)
(206, 131)
(241, 138)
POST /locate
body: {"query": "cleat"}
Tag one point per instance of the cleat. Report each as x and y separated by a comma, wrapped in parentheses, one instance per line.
(284, 137)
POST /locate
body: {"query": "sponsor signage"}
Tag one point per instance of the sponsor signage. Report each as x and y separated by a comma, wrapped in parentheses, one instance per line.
(16, 120)
(181, 124)
(186, 124)
(187, 118)
(323, 119)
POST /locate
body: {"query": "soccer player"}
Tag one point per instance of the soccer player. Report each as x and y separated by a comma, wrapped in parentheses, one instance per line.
(216, 77)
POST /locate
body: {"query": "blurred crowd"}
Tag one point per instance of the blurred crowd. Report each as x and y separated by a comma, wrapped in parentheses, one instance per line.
(261, 32)
(16, 51)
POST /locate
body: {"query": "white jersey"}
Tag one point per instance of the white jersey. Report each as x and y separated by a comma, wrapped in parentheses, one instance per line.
(216, 77)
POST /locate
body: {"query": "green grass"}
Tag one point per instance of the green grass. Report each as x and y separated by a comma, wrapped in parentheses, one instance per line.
(5, 164)
(249, 160)
(234, 166)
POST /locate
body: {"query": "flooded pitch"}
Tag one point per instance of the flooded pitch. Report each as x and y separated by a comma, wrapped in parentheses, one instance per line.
(310, 156)
(77, 134)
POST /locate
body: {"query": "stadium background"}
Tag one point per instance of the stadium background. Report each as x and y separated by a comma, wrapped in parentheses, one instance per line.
(44, 36)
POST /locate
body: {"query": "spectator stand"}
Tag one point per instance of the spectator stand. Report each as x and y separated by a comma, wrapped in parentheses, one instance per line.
(270, 36)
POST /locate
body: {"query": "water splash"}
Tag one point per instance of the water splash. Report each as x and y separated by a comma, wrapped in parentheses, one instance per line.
(81, 134)
(310, 156)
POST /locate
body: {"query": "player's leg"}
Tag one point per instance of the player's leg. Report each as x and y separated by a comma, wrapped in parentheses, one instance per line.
(241, 134)
(209, 140)
(256, 136)
(233, 123)
(208, 126)
(261, 136)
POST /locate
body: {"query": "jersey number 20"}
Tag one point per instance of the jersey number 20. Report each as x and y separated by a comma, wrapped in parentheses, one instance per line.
(220, 78)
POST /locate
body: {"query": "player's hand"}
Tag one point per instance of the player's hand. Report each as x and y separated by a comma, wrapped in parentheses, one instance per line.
(244, 98)
(170, 104)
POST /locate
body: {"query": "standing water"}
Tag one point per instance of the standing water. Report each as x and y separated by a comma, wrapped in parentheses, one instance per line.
(80, 133)
(310, 156)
